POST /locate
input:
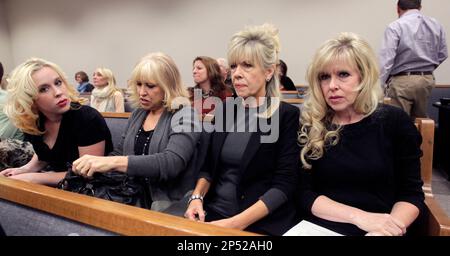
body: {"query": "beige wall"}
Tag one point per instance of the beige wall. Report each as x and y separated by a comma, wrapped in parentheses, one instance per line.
(84, 34)
(5, 45)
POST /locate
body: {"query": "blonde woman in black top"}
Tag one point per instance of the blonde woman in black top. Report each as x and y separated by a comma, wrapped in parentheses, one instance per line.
(361, 159)
(45, 107)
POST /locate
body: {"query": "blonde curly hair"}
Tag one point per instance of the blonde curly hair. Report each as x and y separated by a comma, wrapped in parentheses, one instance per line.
(22, 92)
(317, 131)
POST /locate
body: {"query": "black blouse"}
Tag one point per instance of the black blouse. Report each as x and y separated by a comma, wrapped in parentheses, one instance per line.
(80, 126)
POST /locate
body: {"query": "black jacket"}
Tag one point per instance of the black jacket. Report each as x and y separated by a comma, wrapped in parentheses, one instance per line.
(265, 166)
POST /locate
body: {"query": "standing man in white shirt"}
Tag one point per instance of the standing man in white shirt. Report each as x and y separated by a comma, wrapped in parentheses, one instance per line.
(413, 47)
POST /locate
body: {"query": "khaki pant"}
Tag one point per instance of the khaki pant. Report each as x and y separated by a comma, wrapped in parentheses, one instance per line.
(411, 93)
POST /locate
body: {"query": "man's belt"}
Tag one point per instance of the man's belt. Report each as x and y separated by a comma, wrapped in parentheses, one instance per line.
(414, 73)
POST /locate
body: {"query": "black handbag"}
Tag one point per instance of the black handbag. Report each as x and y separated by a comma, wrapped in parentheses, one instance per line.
(114, 186)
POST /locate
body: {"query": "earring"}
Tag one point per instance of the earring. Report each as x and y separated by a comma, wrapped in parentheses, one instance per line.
(267, 79)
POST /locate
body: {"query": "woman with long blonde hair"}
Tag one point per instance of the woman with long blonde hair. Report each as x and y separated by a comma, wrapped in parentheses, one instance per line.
(106, 97)
(361, 159)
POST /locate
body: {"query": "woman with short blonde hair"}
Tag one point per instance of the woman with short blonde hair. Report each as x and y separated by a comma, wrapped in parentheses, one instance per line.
(260, 45)
(248, 183)
(160, 68)
(161, 140)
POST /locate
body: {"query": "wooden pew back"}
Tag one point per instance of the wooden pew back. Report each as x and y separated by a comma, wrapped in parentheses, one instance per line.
(103, 214)
(117, 123)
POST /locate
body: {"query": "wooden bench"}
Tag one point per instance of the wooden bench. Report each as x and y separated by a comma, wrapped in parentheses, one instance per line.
(290, 94)
(124, 115)
(102, 214)
(86, 97)
(294, 101)
(128, 220)
(301, 88)
(438, 222)
(106, 215)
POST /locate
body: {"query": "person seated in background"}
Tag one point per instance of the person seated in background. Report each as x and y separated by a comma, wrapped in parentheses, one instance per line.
(7, 130)
(83, 82)
(45, 107)
(208, 82)
(248, 183)
(361, 159)
(14, 152)
(226, 75)
(286, 83)
(106, 97)
(160, 142)
(225, 72)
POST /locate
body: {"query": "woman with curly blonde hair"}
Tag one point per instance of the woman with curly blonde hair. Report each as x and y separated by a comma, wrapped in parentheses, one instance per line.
(46, 108)
(106, 97)
(361, 159)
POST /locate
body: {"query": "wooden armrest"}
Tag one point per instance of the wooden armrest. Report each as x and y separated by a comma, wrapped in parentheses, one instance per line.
(438, 221)
(387, 100)
(124, 115)
(426, 129)
(294, 101)
(107, 215)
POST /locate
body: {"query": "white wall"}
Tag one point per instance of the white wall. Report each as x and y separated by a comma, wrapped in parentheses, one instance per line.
(5, 45)
(84, 34)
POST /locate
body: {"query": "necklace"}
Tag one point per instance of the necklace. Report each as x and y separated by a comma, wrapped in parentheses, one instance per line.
(138, 146)
(207, 94)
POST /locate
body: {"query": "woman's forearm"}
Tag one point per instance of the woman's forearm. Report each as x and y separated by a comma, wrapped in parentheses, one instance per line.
(49, 178)
(34, 165)
(202, 187)
(251, 215)
(325, 208)
(405, 212)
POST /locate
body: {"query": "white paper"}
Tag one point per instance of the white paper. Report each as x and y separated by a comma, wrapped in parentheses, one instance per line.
(306, 228)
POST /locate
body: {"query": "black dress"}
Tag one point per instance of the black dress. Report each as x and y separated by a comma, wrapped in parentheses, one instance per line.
(375, 164)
